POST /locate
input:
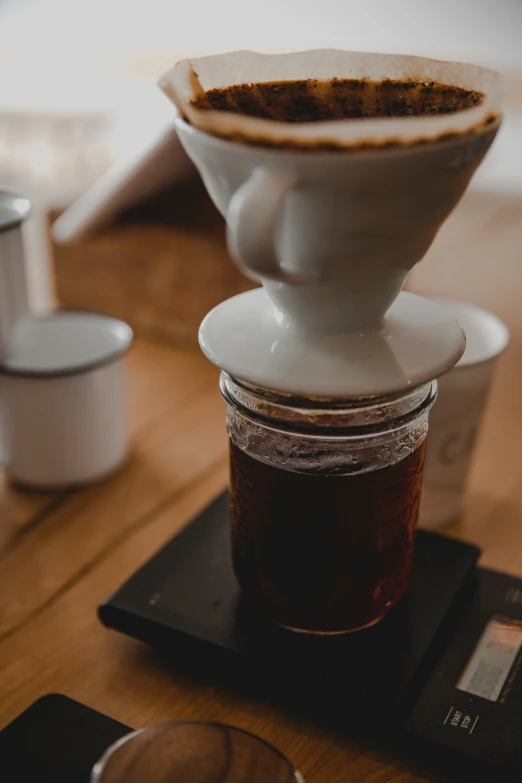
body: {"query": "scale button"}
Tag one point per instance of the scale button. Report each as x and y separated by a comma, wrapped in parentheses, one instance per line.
(461, 720)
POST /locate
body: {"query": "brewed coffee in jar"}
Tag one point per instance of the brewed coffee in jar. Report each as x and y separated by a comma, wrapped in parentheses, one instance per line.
(324, 503)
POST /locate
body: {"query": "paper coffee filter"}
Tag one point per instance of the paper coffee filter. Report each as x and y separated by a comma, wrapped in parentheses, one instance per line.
(190, 79)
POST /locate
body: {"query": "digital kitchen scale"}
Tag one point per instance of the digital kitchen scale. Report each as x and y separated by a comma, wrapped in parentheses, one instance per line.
(445, 662)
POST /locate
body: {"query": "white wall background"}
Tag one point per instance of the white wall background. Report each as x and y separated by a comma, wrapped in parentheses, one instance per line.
(130, 34)
(50, 49)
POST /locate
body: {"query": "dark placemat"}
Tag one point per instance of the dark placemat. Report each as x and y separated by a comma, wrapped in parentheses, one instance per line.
(56, 740)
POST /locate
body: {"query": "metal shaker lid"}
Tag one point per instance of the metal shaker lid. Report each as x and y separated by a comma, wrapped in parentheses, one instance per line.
(13, 210)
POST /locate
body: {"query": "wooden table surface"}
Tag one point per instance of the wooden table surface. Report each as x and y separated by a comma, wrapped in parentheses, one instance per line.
(63, 553)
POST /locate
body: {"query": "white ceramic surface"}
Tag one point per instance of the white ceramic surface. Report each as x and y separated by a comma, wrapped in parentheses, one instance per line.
(502, 170)
(248, 338)
(63, 400)
(456, 416)
(333, 235)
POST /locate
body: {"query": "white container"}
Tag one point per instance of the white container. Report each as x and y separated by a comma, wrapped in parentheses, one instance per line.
(63, 400)
(456, 416)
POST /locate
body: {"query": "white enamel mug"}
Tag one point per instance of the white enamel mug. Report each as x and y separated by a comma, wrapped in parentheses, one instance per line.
(62, 394)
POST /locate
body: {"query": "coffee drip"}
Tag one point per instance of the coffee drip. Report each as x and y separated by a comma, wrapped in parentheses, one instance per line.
(331, 212)
(327, 367)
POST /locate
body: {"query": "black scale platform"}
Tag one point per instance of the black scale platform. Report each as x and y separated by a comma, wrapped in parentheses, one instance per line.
(407, 666)
(189, 590)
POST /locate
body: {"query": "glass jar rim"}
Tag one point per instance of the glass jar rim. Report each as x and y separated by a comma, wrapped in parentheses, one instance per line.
(340, 417)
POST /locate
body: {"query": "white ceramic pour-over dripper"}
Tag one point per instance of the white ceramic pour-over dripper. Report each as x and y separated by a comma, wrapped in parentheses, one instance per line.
(333, 235)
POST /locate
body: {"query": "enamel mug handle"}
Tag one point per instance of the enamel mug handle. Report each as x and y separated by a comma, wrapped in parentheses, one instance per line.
(252, 220)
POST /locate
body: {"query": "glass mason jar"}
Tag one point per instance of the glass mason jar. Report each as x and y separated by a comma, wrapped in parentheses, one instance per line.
(324, 501)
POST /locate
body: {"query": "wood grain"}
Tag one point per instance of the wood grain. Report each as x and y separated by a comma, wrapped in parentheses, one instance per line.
(76, 549)
(19, 511)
